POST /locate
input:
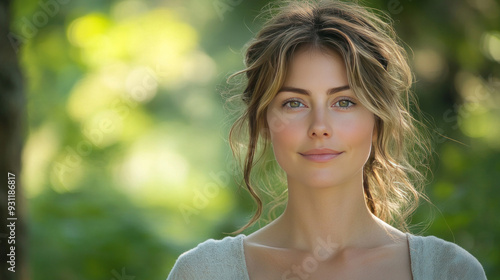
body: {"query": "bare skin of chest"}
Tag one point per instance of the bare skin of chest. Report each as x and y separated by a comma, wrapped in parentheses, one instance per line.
(387, 262)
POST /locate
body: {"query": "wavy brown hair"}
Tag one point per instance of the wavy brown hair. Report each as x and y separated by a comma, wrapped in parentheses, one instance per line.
(380, 77)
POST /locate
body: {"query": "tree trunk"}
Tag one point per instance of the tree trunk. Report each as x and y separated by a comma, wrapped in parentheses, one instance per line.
(12, 126)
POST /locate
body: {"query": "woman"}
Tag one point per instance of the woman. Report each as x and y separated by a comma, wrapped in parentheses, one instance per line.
(328, 91)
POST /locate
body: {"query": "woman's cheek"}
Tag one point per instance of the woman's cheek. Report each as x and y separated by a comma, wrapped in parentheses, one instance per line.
(285, 136)
(355, 131)
(285, 142)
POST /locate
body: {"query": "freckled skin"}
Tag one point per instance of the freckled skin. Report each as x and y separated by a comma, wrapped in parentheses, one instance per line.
(318, 120)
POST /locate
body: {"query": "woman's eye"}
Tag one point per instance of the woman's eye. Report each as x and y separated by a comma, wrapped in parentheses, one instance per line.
(344, 103)
(293, 104)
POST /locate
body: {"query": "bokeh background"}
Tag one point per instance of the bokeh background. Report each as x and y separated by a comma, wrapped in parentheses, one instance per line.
(126, 163)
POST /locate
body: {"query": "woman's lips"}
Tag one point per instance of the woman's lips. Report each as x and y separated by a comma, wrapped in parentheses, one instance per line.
(320, 155)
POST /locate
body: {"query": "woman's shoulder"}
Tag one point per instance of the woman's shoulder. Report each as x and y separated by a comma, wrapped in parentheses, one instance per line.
(212, 259)
(435, 258)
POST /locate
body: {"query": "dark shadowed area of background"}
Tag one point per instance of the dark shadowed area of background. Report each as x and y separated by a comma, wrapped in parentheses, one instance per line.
(125, 162)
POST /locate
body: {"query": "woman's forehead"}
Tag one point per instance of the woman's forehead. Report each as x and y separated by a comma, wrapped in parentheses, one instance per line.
(314, 68)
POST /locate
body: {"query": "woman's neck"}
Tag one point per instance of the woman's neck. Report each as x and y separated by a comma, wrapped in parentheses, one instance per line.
(335, 215)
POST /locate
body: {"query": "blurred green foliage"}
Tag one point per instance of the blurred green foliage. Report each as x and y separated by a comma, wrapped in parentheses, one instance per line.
(126, 164)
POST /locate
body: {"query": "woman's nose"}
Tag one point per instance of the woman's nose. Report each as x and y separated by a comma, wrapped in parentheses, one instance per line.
(320, 124)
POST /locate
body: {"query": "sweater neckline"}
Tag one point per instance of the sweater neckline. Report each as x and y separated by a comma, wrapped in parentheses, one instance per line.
(240, 237)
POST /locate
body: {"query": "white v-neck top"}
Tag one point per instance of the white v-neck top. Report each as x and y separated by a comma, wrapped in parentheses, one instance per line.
(431, 258)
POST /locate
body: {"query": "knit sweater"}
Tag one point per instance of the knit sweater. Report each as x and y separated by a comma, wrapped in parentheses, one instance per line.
(431, 258)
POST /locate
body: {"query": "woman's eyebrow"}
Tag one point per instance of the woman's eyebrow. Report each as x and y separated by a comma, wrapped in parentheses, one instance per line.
(306, 92)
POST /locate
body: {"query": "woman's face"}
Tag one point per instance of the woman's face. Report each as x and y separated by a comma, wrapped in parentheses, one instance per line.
(320, 132)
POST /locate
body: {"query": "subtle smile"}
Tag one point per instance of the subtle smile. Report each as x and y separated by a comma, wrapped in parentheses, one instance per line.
(320, 155)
